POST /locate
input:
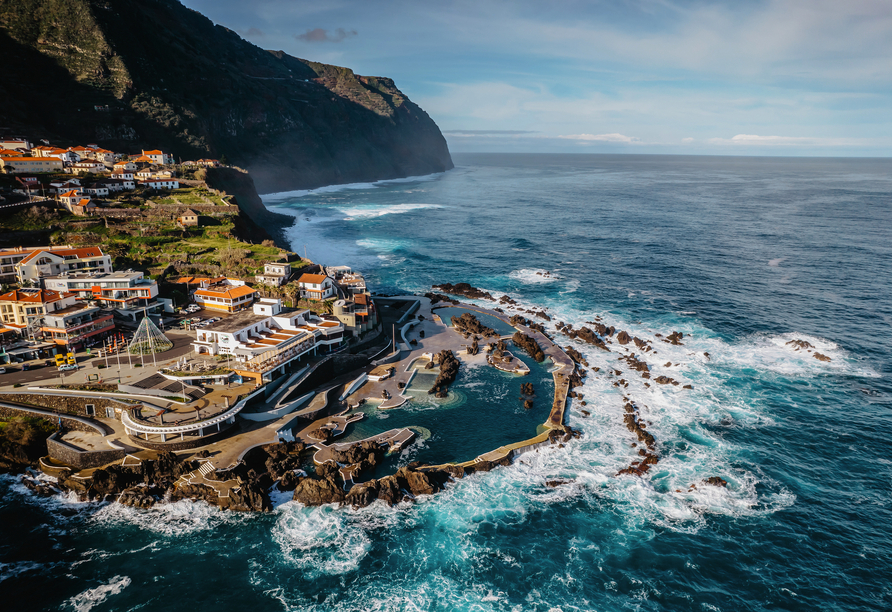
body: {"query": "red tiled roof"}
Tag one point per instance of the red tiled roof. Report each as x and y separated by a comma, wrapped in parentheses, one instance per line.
(314, 279)
(41, 296)
(77, 253)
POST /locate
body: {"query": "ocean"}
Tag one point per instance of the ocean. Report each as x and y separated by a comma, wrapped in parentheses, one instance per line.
(741, 255)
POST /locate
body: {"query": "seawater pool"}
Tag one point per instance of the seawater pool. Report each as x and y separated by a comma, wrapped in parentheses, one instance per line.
(482, 412)
(495, 323)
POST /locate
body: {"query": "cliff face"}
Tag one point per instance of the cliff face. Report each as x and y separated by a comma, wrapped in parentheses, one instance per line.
(171, 79)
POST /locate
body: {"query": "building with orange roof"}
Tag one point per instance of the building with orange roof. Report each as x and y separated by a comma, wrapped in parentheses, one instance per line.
(9, 257)
(127, 290)
(55, 261)
(54, 316)
(126, 166)
(316, 287)
(10, 153)
(23, 307)
(158, 157)
(30, 165)
(267, 338)
(15, 143)
(225, 296)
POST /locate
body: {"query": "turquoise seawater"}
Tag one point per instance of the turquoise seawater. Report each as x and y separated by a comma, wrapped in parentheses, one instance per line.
(742, 255)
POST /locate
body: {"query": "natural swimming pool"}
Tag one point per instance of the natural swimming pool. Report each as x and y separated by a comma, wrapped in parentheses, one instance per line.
(482, 412)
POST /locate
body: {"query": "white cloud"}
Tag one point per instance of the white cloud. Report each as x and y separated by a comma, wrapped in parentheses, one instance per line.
(754, 139)
(601, 138)
(687, 140)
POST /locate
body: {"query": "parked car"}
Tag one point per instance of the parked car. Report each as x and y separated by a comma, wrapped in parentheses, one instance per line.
(26, 367)
(68, 367)
(2, 370)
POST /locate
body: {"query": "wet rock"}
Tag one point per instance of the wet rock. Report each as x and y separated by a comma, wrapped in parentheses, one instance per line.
(448, 371)
(467, 323)
(529, 345)
(623, 337)
(527, 404)
(675, 338)
(137, 498)
(464, 289)
(317, 491)
(249, 497)
(39, 488)
(688, 387)
(557, 482)
(664, 380)
(821, 357)
(439, 297)
(800, 344)
(195, 492)
(716, 481)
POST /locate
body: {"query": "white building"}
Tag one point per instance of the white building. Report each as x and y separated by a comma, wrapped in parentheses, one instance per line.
(274, 273)
(51, 262)
(264, 339)
(127, 290)
(160, 183)
(316, 287)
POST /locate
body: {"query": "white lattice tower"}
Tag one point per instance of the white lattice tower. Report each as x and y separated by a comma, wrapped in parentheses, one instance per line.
(148, 340)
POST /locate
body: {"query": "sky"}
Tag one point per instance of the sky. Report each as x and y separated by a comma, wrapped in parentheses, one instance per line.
(740, 77)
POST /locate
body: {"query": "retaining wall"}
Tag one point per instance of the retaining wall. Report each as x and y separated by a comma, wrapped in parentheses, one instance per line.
(65, 404)
(79, 458)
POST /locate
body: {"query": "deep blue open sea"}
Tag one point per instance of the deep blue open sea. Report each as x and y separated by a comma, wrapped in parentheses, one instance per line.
(742, 255)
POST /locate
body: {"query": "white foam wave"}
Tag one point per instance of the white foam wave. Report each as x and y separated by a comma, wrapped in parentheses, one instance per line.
(533, 276)
(372, 211)
(328, 540)
(89, 599)
(300, 193)
(168, 519)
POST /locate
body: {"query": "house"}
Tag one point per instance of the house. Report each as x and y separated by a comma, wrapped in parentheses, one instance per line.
(97, 189)
(124, 175)
(10, 257)
(115, 185)
(69, 157)
(15, 143)
(72, 197)
(158, 157)
(209, 163)
(30, 165)
(147, 173)
(274, 273)
(58, 260)
(23, 307)
(9, 153)
(316, 287)
(160, 183)
(266, 338)
(188, 219)
(82, 167)
(77, 203)
(125, 166)
(102, 155)
(127, 290)
(357, 314)
(60, 187)
(225, 296)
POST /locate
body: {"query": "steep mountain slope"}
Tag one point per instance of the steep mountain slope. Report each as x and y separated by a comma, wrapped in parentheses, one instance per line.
(173, 79)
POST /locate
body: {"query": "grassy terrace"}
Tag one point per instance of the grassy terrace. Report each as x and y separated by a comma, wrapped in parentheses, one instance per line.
(152, 242)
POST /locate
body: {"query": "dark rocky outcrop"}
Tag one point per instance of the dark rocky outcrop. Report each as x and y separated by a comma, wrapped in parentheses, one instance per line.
(529, 345)
(448, 371)
(674, 338)
(623, 337)
(800, 344)
(821, 357)
(464, 289)
(468, 324)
